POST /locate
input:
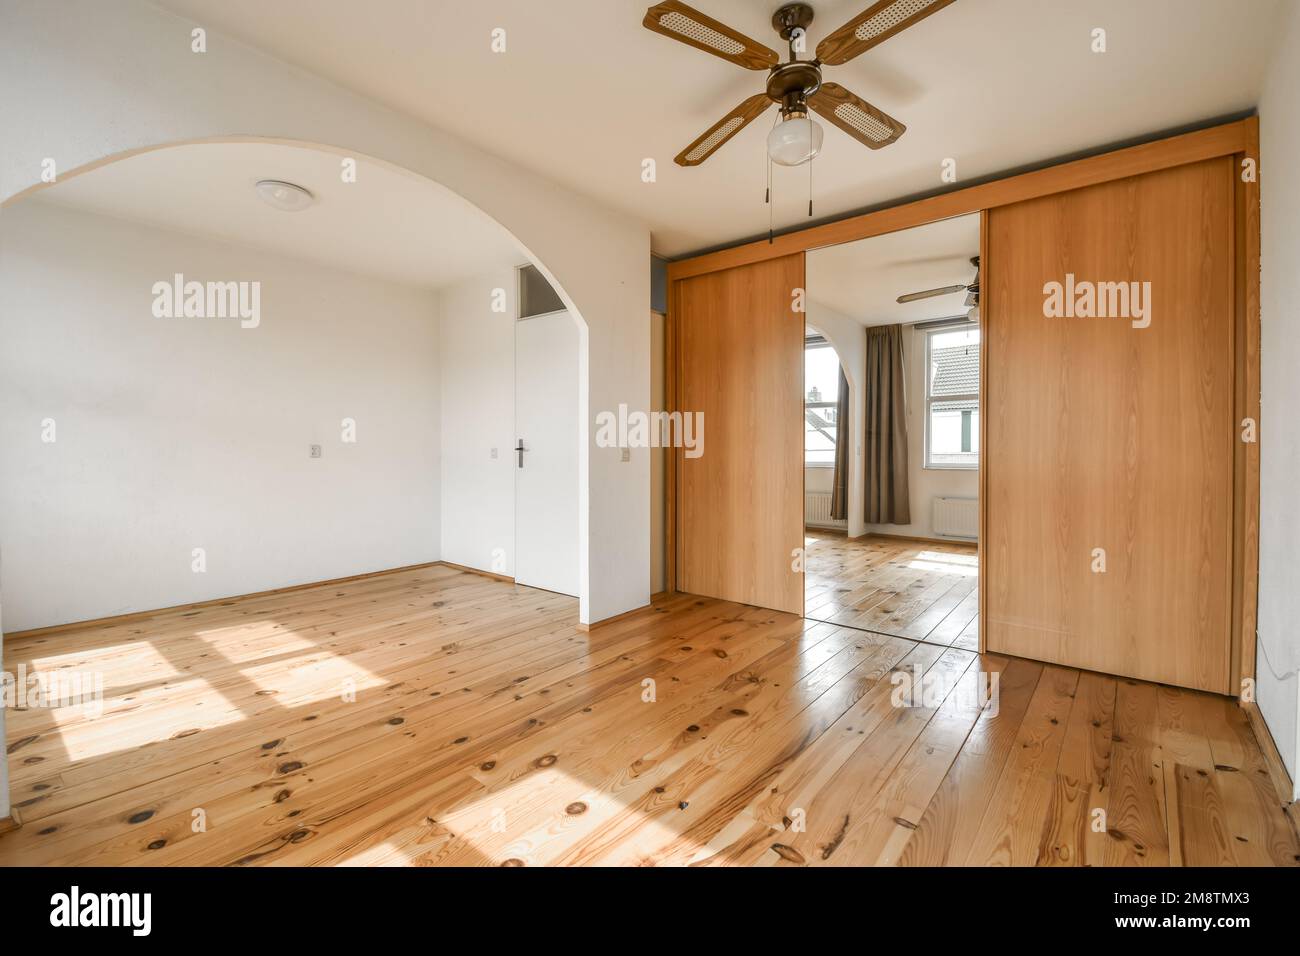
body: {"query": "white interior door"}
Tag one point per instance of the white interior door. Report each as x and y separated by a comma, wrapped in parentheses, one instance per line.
(546, 428)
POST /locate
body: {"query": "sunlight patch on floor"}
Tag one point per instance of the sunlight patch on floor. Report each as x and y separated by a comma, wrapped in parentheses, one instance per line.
(84, 733)
(253, 641)
(130, 662)
(965, 565)
(483, 835)
(321, 675)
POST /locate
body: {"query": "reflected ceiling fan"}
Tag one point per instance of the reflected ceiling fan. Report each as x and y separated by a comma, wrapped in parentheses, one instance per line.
(795, 86)
(972, 292)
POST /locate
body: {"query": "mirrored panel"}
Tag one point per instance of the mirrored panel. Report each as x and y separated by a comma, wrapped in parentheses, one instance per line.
(891, 433)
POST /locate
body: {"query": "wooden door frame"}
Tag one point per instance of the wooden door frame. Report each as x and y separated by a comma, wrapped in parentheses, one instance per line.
(1239, 139)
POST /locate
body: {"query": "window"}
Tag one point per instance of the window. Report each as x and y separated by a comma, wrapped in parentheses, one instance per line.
(536, 296)
(821, 382)
(952, 407)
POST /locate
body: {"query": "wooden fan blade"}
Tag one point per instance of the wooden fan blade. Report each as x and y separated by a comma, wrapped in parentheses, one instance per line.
(868, 125)
(712, 138)
(873, 26)
(683, 23)
(930, 293)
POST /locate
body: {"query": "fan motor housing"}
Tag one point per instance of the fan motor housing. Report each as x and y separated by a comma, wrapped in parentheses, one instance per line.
(790, 84)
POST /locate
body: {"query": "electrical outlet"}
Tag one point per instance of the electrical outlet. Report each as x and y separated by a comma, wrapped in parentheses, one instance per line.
(493, 453)
(627, 454)
(314, 451)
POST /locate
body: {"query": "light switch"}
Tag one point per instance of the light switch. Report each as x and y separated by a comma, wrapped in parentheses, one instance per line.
(314, 451)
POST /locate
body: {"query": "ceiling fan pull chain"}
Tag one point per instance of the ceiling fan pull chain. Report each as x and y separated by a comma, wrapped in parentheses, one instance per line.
(810, 166)
(770, 204)
(767, 196)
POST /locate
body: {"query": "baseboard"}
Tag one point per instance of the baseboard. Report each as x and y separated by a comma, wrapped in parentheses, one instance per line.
(130, 616)
(893, 537)
(918, 538)
(8, 825)
(616, 617)
(467, 569)
(212, 602)
(1272, 757)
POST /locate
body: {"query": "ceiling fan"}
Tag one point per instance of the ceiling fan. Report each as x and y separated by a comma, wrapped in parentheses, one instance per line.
(972, 292)
(797, 85)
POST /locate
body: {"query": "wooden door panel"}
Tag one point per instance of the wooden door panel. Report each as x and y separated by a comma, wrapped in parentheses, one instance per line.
(739, 355)
(1105, 436)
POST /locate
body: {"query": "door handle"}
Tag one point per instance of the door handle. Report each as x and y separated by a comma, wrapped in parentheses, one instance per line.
(519, 449)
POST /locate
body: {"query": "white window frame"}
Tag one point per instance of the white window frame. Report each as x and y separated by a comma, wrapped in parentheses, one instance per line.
(807, 347)
(930, 333)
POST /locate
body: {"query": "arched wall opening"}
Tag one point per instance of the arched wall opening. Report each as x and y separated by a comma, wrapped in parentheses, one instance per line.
(598, 256)
(166, 509)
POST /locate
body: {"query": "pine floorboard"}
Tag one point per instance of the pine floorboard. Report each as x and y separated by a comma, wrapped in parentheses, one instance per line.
(923, 590)
(434, 717)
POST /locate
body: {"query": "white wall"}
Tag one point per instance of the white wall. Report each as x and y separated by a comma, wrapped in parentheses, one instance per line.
(82, 81)
(477, 355)
(1279, 544)
(175, 434)
(818, 479)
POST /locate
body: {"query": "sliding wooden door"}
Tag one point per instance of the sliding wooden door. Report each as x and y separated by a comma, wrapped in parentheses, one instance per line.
(738, 356)
(1109, 442)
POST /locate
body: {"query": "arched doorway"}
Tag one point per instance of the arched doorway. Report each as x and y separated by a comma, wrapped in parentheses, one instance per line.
(282, 385)
(609, 598)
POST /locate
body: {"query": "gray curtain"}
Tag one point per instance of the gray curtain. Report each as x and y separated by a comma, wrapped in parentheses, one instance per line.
(886, 428)
(840, 484)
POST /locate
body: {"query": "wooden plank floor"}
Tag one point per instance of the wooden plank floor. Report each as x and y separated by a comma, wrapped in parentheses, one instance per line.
(927, 591)
(435, 717)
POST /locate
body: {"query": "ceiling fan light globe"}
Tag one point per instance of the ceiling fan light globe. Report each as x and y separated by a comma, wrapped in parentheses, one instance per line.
(794, 141)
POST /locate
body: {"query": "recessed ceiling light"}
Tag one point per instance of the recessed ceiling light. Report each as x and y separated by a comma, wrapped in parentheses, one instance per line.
(286, 197)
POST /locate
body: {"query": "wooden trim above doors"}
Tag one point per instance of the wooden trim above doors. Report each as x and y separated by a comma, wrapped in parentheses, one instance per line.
(1224, 140)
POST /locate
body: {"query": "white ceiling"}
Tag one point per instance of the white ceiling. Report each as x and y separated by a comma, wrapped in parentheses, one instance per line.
(863, 279)
(584, 92)
(387, 224)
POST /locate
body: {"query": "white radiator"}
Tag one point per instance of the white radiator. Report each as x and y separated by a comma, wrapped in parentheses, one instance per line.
(957, 517)
(817, 510)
